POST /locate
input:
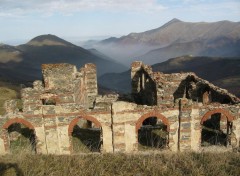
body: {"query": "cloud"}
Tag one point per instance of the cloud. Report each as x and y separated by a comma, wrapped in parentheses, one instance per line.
(214, 7)
(204, 10)
(24, 7)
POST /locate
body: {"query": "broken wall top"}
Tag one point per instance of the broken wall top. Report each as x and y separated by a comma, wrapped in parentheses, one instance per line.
(177, 85)
(58, 76)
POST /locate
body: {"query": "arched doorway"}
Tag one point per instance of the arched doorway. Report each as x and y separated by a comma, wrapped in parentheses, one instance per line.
(85, 135)
(19, 136)
(152, 131)
(217, 128)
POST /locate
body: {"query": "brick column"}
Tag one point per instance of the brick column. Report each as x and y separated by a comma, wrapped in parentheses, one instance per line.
(184, 142)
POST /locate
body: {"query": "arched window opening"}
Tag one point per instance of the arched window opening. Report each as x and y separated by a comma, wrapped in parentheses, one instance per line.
(86, 137)
(49, 101)
(226, 101)
(216, 130)
(21, 138)
(152, 134)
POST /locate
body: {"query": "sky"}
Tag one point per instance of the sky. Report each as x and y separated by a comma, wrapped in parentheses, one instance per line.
(76, 20)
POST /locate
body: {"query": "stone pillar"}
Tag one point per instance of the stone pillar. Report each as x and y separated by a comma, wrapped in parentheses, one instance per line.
(41, 146)
(236, 131)
(224, 124)
(184, 132)
(131, 138)
(91, 83)
(173, 136)
(63, 139)
(124, 127)
(4, 142)
(135, 67)
(119, 137)
(107, 146)
(50, 128)
(2, 147)
(172, 117)
(195, 130)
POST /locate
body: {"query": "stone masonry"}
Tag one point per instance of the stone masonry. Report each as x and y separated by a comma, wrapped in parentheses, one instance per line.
(181, 101)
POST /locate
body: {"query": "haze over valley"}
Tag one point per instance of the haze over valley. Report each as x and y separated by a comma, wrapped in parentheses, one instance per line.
(211, 50)
(173, 39)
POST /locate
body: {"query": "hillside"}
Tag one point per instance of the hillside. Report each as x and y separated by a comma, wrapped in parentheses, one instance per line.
(223, 72)
(9, 53)
(223, 47)
(177, 31)
(173, 39)
(49, 49)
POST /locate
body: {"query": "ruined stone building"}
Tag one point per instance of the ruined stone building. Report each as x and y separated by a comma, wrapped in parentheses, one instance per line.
(175, 112)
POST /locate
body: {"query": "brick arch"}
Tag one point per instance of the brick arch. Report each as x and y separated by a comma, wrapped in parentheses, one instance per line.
(18, 120)
(75, 121)
(230, 118)
(9, 123)
(152, 114)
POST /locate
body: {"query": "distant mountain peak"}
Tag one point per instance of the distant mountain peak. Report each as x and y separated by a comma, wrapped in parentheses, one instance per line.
(109, 40)
(49, 40)
(174, 20)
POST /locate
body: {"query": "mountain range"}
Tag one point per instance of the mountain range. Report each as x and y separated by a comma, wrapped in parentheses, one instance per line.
(173, 39)
(23, 63)
(223, 72)
(211, 50)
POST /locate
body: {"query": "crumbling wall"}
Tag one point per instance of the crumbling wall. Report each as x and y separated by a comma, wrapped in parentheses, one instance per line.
(90, 82)
(201, 90)
(156, 88)
(31, 98)
(143, 86)
(170, 87)
(58, 76)
(181, 101)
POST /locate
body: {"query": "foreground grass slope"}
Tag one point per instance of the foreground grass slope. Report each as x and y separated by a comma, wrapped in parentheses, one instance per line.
(121, 164)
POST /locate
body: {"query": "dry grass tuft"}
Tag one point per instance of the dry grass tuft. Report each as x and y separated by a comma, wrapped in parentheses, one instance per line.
(122, 164)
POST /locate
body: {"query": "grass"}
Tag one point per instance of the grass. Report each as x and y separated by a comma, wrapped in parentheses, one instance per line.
(122, 164)
(86, 140)
(21, 139)
(21, 144)
(152, 139)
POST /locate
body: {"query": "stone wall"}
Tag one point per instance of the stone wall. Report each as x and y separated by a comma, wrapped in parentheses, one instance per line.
(120, 123)
(52, 108)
